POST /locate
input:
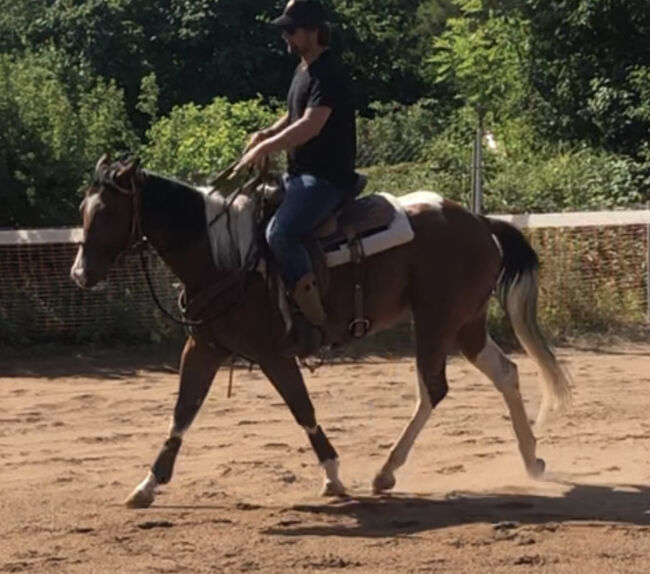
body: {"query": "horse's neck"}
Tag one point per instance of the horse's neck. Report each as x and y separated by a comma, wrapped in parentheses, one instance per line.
(193, 233)
(173, 220)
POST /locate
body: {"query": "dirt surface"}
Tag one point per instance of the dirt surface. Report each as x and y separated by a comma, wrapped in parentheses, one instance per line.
(77, 434)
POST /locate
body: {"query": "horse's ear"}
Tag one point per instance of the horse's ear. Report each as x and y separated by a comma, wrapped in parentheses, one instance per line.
(129, 169)
(104, 160)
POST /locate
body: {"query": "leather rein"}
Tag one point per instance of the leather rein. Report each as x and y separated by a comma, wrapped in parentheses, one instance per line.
(138, 242)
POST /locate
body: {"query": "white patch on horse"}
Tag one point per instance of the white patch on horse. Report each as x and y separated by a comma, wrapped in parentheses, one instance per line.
(175, 432)
(332, 469)
(145, 491)
(431, 198)
(232, 234)
(400, 451)
(332, 485)
(78, 271)
(311, 430)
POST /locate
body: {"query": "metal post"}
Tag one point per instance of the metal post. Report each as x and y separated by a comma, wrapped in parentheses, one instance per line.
(477, 171)
(647, 263)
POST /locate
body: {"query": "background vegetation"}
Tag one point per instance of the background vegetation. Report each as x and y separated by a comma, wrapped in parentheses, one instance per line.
(561, 86)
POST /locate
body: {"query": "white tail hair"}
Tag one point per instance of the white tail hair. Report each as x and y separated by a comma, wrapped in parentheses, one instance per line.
(520, 301)
(518, 291)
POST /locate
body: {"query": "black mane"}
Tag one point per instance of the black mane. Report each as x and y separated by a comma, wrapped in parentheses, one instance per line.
(175, 207)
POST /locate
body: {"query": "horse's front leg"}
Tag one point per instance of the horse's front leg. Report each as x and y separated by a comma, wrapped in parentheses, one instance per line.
(286, 377)
(199, 365)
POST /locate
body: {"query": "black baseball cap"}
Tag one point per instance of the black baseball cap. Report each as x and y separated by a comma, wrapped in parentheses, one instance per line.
(307, 14)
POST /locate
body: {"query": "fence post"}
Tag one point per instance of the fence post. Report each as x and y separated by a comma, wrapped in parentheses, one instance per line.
(647, 263)
(477, 171)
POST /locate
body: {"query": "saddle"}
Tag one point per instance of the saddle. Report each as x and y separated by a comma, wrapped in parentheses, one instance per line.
(353, 220)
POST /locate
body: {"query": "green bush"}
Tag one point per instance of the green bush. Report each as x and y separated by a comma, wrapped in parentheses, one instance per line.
(396, 133)
(193, 142)
(51, 134)
(579, 179)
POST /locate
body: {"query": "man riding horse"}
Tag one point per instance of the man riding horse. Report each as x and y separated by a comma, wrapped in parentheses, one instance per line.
(438, 263)
(318, 132)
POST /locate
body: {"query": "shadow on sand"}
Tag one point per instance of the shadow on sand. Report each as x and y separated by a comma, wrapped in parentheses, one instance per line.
(378, 517)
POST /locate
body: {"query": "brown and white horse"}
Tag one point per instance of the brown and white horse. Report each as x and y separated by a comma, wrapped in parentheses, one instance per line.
(444, 277)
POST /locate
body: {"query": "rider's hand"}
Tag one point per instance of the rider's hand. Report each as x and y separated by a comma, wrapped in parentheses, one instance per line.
(257, 138)
(255, 157)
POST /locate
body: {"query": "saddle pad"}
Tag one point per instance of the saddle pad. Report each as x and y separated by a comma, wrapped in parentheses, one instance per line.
(360, 217)
(397, 232)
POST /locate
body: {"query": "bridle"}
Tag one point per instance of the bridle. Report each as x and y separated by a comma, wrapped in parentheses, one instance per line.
(136, 239)
(138, 243)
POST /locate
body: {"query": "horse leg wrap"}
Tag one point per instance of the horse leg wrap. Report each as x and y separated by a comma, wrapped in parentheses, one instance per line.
(163, 467)
(321, 445)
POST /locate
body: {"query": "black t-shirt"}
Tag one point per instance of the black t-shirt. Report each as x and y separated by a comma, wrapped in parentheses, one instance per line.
(332, 153)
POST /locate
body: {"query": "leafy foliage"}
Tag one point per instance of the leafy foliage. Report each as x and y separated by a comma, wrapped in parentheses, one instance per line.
(563, 86)
(193, 142)
(48, 141)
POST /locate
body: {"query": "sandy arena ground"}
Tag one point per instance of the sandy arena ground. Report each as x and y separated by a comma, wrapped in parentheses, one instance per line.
(78, 433)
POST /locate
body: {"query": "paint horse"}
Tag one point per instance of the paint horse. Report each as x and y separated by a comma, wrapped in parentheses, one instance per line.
(443, 276)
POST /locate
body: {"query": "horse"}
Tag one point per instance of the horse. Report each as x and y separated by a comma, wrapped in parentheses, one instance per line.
(443, 278)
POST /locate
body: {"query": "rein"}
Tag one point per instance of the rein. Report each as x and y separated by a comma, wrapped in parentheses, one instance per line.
(137, 241)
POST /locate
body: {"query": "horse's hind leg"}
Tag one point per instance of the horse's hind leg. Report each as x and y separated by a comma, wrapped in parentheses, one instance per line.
(285, 376)
(199, 365)
(432, 388)
(479, 348)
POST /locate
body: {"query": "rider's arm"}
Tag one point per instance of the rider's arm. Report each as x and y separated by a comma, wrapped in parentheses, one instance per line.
(277, 127)
(299, 132)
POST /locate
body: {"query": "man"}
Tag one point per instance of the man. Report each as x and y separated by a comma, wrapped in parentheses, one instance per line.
(318, 132)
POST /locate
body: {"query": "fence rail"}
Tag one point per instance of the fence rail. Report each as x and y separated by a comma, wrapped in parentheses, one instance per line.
(594, 278)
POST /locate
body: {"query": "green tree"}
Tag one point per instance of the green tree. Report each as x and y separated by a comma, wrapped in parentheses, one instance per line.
(587, 57)
(484, 55)
(49, 141)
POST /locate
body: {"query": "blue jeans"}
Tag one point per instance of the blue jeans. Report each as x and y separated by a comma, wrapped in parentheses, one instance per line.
(308, 201)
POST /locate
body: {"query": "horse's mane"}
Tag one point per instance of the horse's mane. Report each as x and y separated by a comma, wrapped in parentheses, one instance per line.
(174, 206)
(231, 228)
(190, 212)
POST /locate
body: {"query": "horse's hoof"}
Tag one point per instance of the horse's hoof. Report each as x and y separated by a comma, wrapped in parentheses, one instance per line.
(331, 488)
(139, 499)
(383, 482)
(537, 469)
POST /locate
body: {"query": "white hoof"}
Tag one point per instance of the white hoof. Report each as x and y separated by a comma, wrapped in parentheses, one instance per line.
(333, 485)
(383, 481)
(140, 499)
(332, 488)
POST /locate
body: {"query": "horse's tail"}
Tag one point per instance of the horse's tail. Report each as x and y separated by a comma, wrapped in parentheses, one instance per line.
(517, 290)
